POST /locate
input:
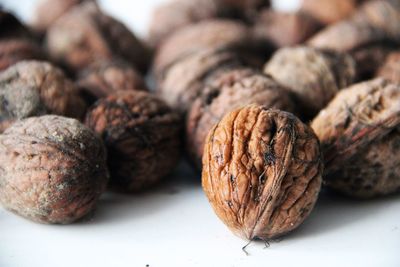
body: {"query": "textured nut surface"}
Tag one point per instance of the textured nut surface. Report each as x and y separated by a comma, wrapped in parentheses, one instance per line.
(18, 103)
(85, 34)
(184, 81)
(15, 50)
(359, 134)
(53, 169)
(103, 78)
(391, 67)
(210, 34)
(57, 92)
(142, 135)
(261, 171)
(225, 92)
(285, 29)
(312, 75)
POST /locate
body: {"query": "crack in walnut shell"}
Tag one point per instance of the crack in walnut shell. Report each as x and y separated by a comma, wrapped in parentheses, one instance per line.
(359, 134)
(261, 171)
(142, 135)
(57, 92)
(52, 169)
(225, 92)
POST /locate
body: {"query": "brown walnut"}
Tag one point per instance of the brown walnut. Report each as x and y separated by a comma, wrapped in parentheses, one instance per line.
(261, 171)
(313, 76)
(391, 67)
(360, 138)
(85, 34)
(15, 50)
(57, 92)
(52, 169)
(225, 92)
(142, 135)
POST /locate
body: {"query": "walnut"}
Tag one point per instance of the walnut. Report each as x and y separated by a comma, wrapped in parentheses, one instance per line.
(284, 28)
(183, 81)
(261, 171)
(210, 34)
(375, 21)
(85, 34)
(15, 50)
(225, 92)
(52, 169)
(174, 15)
(313, 76)
(48, 11)
(360, 138)
(103, 78)
(330, 11)
(58, 93)
(142, 135)
(391, 67)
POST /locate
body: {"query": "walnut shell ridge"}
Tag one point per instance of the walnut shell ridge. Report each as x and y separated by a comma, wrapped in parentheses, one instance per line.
(261, 171)
(52, 169)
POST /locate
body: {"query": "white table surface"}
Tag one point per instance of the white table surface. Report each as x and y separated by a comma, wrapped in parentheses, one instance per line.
(173, 225)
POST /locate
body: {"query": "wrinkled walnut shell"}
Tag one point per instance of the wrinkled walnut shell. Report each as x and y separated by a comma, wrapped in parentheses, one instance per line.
(103, 78)
(85, 34)
(15, 50)
(225, 92)
(285, 29)
(360, 139)
(57, 92)
(391, 67)
(142, 135)
(313, 76)
(52, 169)
(261, 171)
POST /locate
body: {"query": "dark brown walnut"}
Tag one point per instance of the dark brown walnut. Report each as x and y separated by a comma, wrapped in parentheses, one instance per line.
(209, 34)
(103, 78)
(11, 27)
(360, 137)
(330, 11)
(261, 171)
(15, 50)
(85, 34)
(225, 92)
(57, 92)
(369, 58)
(375, 21)
(391, 67)
(314, 76)
(173, 15)
(284, 28)
(48, 11)
(52, 169)
(142, 135)
(183, 81)
(18, 103)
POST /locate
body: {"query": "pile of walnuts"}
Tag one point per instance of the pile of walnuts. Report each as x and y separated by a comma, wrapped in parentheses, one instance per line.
(269, 105)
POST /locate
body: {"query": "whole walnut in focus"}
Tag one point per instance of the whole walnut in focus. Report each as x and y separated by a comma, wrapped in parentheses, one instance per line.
(207, 35)
(390, 69)
(375, 21)
(103, 78)
(184, 80)
(261, 171)
(15, 50)
(52, 169)
(57, 92)
(85, 34)
(174, 15)
(142, 135)
(312, 75)
(48, 11)
(330, 11)
(285, 29)
(225, 92)
(360, 138)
